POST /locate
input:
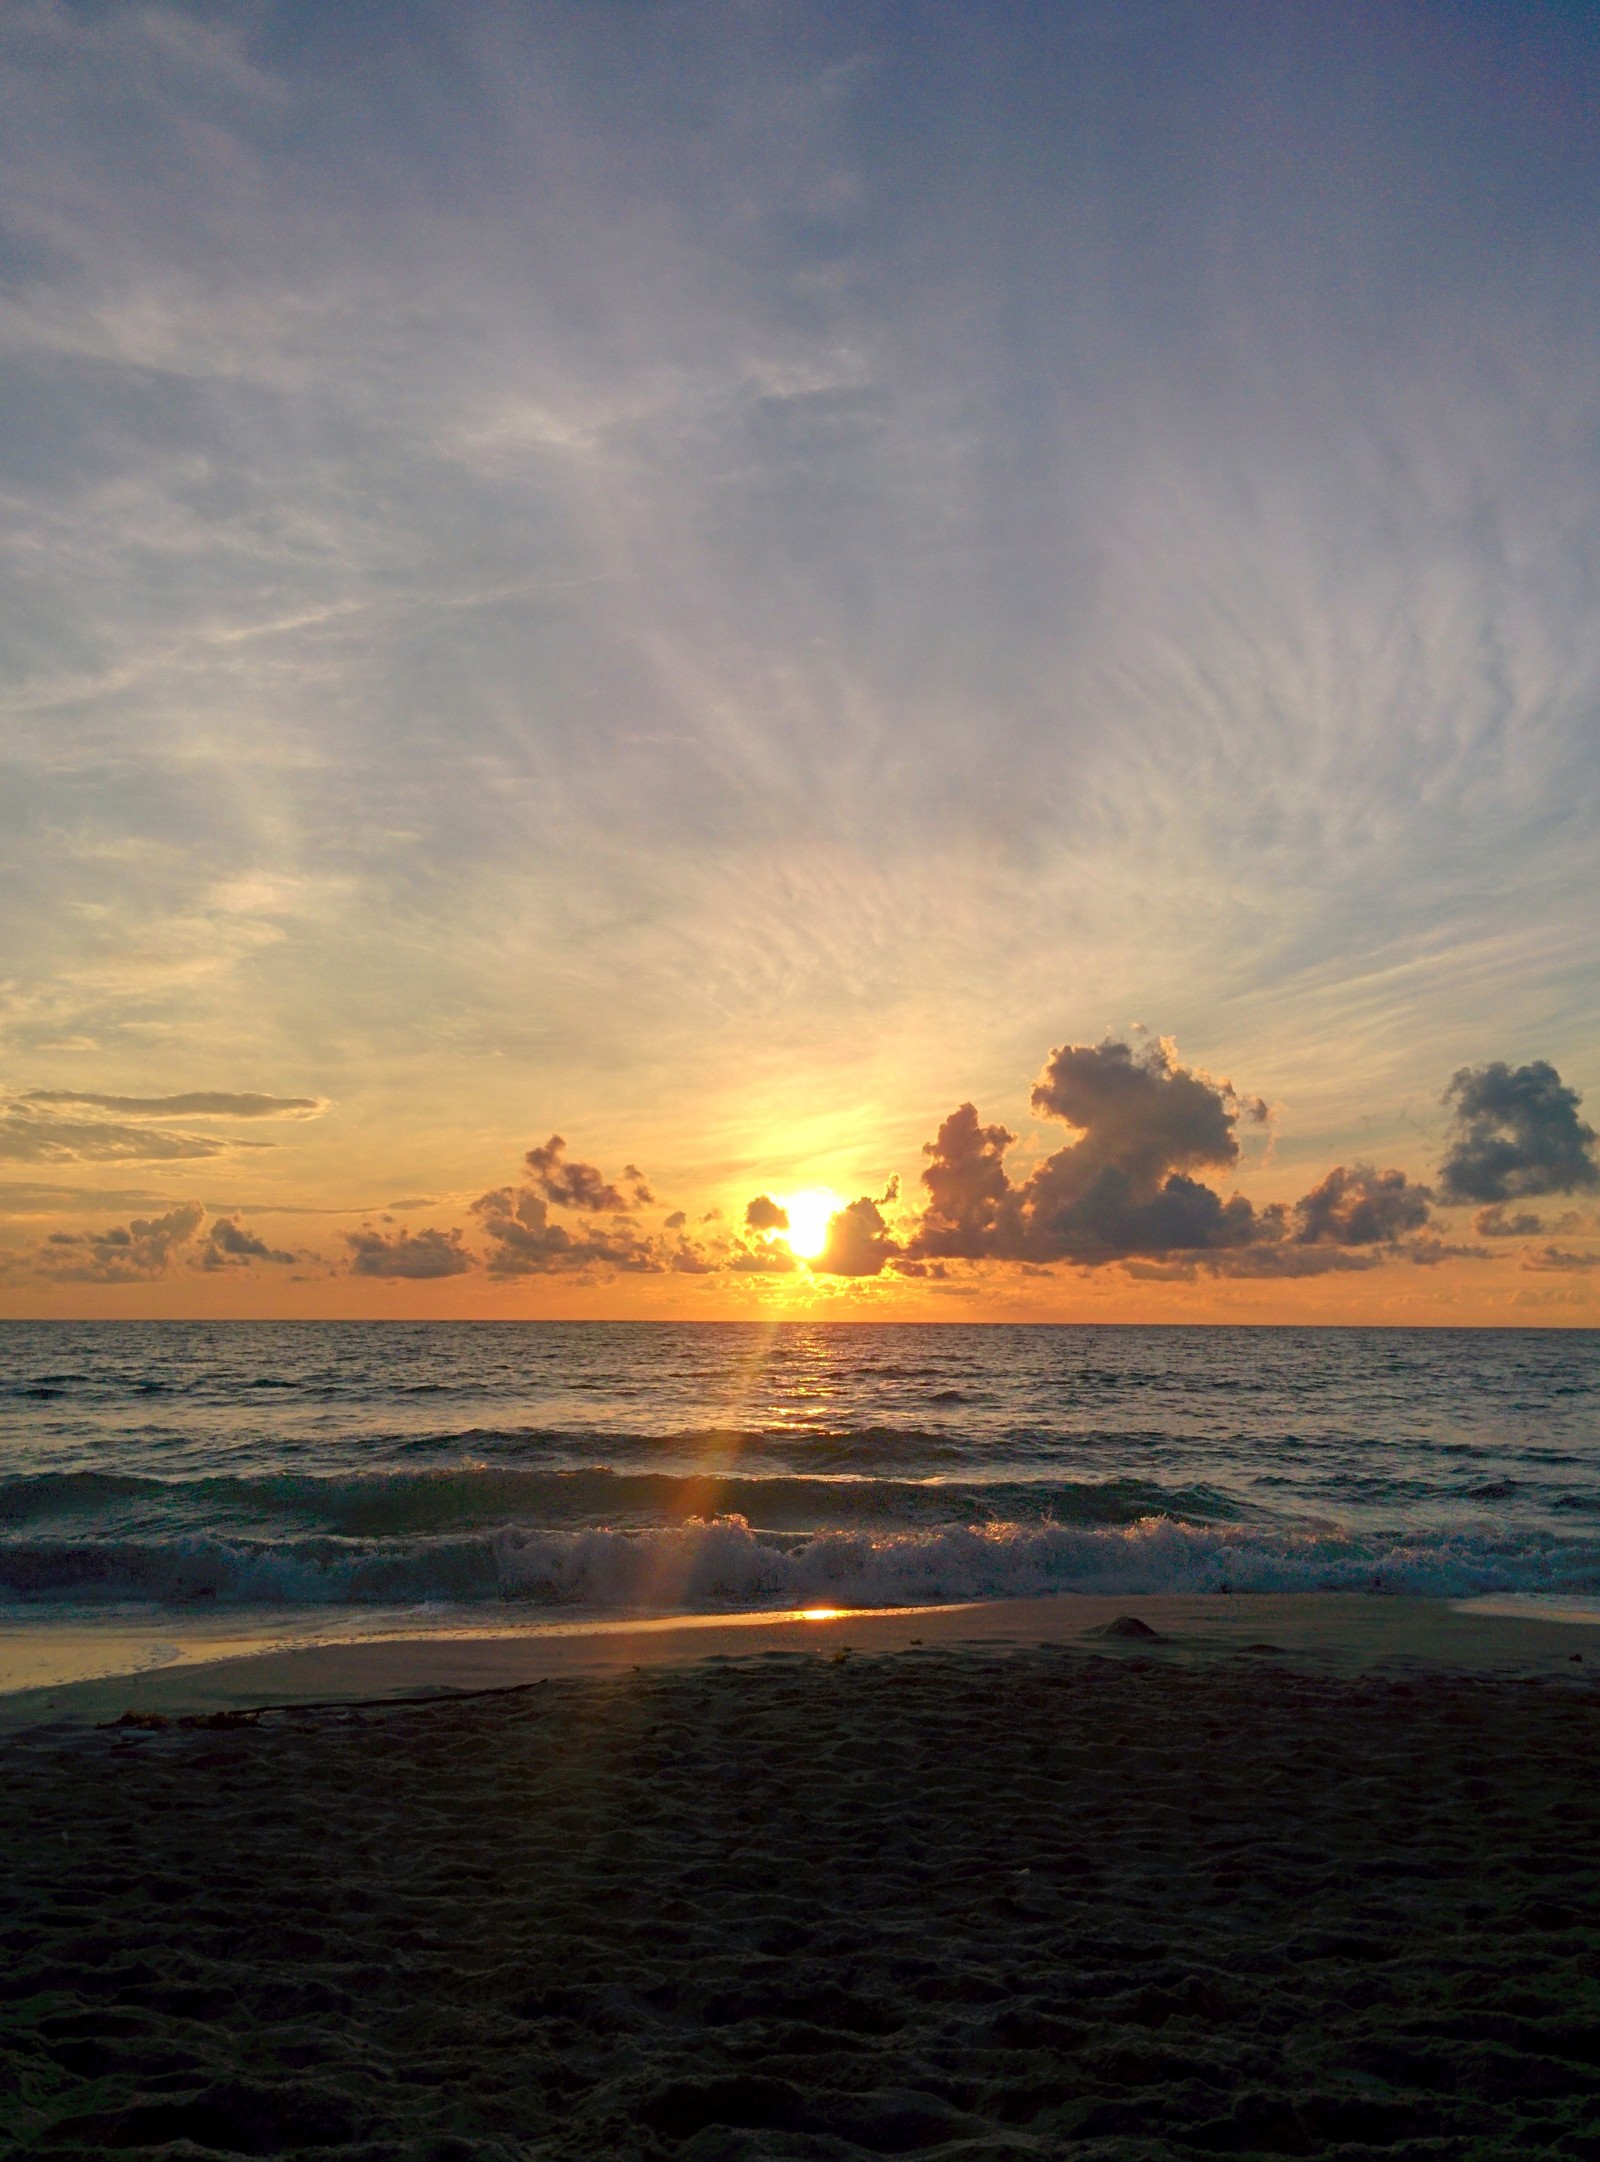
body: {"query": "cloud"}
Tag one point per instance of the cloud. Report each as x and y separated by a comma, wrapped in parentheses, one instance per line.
(1122, 1189)
(29, 1137)
(762, 1261)
(574, 1186)
(228, 1245)
(1276, 1257)
(1494, 1223)
(24, 1197)
(527, 1241)
(413, 1256)
(1517, 1135)
(859, 1243)
(1428, 1253)
(195, 1104)
(638, 1186)
(1360, 1206)
(132, 1253)
(765, 1214)
(1559, 1261)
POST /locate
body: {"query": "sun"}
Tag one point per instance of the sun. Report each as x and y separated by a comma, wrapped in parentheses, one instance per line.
(809, 1212)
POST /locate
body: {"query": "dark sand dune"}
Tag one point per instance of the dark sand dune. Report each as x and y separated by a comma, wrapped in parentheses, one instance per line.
(953, 1903)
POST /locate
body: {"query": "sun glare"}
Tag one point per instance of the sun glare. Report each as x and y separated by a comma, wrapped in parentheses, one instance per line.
(809, 1214)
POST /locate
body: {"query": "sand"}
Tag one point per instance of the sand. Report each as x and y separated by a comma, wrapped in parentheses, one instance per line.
(1092, 1897)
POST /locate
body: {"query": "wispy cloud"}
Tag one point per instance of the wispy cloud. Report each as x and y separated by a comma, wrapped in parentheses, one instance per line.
(622, 572)
(194, 1103)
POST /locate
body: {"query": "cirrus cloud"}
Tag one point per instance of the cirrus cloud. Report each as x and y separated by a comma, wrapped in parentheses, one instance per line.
(192, 1104)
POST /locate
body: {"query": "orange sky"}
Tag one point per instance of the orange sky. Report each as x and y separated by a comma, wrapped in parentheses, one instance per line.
(725, 592)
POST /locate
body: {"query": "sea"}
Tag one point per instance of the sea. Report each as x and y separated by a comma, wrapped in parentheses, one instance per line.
(166, 1488)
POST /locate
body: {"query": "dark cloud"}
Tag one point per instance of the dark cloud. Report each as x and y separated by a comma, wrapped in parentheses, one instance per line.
(1517, 1134)
(676, 1221)
(762, 1261)
(414, 1256)
(1494, 1223)
(859, 1243)
(1122, 1189)
(573, 1186)
(1428, 1253)
(1356, 1205)
(527, 1241)
(133, 1253)
(1555, 1260)
(228, 1245)
(638, 1186)
(194, 1104)
(765, 1214)
(972, 1206)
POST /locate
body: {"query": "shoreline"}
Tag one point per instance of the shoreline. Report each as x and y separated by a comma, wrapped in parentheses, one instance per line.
(1337, 1632)
(1000, 1896)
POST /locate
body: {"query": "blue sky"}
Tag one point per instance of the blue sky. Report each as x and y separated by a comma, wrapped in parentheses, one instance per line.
(723, 578)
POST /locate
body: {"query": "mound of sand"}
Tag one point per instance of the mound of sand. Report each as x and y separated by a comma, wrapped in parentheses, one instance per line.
(941, 1903)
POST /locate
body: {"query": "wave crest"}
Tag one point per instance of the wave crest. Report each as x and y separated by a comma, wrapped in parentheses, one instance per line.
(723, 1563)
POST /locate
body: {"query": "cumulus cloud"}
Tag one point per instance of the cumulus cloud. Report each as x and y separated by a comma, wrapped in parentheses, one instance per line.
(1356, 1205)
(193, 1104)
(133, 1253)
(1556, 1260)
(575, 1185)
(765, 1214)
(859, 1242)
(762, 1261)
(1517, 1134)
(228, 1245)
(411, 1255)
(1494, 1223)
(526, 1240)
(1122, 1189)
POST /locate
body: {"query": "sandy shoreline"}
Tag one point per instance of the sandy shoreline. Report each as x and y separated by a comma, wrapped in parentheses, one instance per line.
(963, 1901)
(983, 1898)
(1339, 1630)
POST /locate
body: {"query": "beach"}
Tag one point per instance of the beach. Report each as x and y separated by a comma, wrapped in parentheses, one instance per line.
(1285, 1877)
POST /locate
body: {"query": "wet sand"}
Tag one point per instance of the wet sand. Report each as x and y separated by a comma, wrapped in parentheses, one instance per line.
(1087, 1896)
(1335, 1631)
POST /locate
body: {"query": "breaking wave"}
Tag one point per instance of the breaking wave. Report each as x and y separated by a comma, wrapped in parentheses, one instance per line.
(724, 1563)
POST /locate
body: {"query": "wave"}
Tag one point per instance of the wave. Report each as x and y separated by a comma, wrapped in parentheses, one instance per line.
(724, 1563)
(416, 1503)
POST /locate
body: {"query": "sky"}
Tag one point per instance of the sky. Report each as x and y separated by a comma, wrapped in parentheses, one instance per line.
(628, 631)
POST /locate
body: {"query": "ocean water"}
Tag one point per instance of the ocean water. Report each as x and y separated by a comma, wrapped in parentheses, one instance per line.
(308, 1472)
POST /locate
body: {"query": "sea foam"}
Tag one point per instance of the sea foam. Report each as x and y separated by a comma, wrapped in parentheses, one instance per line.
(725, 1563)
